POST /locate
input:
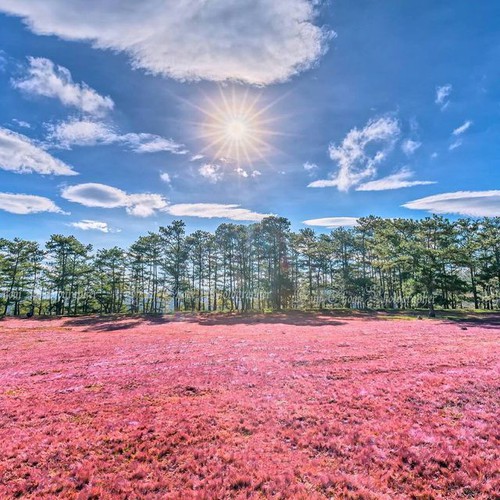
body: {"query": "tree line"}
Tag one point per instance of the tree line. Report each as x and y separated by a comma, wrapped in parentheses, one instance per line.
(379, 264)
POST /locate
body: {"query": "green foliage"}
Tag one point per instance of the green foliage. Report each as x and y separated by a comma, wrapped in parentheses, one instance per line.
(380, 264)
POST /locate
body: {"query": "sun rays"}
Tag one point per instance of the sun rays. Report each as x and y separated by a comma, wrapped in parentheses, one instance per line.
(237, 127)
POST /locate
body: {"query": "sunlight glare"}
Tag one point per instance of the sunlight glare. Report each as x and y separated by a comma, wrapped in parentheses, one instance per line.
(236, 127)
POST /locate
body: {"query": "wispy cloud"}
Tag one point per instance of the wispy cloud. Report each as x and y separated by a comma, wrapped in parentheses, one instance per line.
(409, 147)
(442, 94)
(21, 123)
(468, 203)
(3, 60)
(253, 42)
(24, 204)
(309, 167)
(196, 157)
(44, 78)
(324, 183)
(151, 143)
(214, 211)
(463, 128)
(81, 132)
(455, 144)
(360, 153)
(401, 179)
(104, 196)
(457, 135)
(21, 155)
(332, 222)
(91, 225)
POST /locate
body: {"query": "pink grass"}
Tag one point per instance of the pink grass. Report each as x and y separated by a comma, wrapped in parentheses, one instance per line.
(259, 407)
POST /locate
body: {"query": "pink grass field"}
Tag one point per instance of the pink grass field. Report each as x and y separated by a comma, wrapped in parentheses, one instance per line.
(278, 406)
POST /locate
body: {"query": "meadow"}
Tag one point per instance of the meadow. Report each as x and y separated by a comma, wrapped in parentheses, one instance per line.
(298, 405)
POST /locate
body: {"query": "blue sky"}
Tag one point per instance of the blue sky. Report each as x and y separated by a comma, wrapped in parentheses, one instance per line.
(108, 120)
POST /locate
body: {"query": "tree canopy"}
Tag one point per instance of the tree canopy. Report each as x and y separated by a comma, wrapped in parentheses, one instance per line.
(380, 263)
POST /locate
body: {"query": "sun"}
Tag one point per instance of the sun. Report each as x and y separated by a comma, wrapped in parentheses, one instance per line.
(237, 130)
(236, 127)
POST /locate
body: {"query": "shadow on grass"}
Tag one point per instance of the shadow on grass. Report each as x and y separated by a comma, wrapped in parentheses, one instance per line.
(108, 323)
(483, 320)
(295, 318)
(122, 322)
(117, 322)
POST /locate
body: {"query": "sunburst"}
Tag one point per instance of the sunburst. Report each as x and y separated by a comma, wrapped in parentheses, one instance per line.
(237, 127)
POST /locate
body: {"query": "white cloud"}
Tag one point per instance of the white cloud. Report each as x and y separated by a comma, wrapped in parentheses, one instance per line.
(455, 144)
(409, 147)
(323, 183)
(81, 133)
(3, 60)
(442, 94)
(91, 225)
(21, 123)
(151, 143)
(214, 210)
(103, 196)
(46, 79)
(196, 157)
(145, 205)
(214, 173)
(96, 195)
(310, 166)
(241, 172)
(165, 177)
(469, 203)
(463, 128)
(19, 154)
(401, 179)
(333, 222)
(76, 132)
(254, 42)
(360, 153)
(23, 204)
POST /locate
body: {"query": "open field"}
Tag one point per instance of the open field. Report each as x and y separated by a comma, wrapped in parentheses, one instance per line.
(276, 406)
